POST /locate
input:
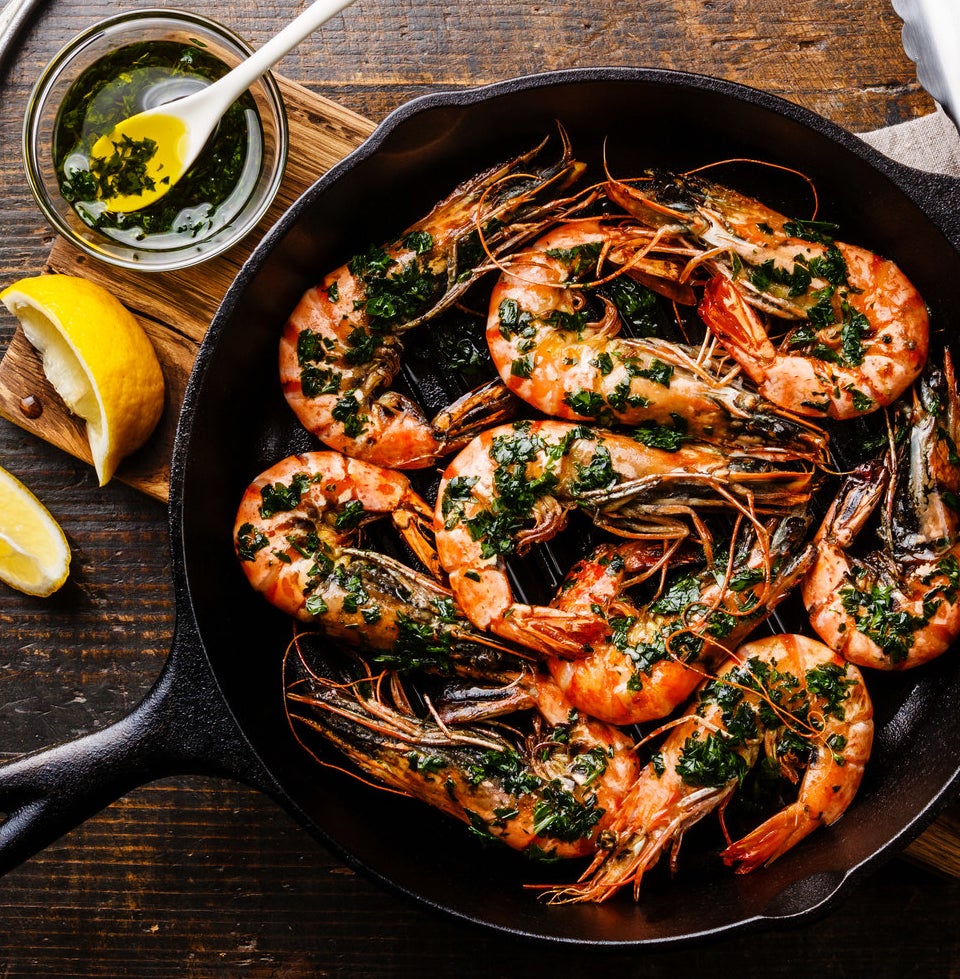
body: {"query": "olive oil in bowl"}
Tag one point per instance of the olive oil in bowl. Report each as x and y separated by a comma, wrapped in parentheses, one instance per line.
(118, 66)
(128, 80)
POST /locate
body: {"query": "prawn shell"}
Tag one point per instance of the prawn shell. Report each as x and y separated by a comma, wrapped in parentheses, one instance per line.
(278, 568)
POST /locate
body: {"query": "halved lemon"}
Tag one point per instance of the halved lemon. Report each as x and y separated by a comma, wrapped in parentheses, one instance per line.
(98, 359)
(34, 554)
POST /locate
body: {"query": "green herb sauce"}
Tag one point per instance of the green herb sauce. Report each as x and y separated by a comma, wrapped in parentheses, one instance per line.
(127, 81)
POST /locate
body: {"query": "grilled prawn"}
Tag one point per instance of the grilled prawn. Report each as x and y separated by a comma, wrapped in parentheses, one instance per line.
(550, 792)
(786, 697)
(658, 652)
(896, 606)
(553, 356)
(341, 346)
(857, 330)
(514, 485)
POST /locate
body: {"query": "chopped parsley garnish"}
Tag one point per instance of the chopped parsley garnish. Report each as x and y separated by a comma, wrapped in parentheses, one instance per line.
(305, 544)
(710, 762)
(559, 815)
(395, 292)
(125, 170)
(566, 322)
(658, 372)
(374, 262)
(508, 768)
(425, 764)
(637, 305)
(822, 232)
(821, 314)
(361, 346)
(580, 260)
(603, 363)
(310, 348)
(587, 404)
(746, 578)
(682, 592)
(620, 398)
(418, 241)
(518, 489)
(457, 491)
(277, 498)
(742, 725)
(720, 623)
(877, 617)
(855, 328)
(350, 516)
(347, 410)
(352, 584)
(950, 568)
(315, 381)
(513, 320)
(656, 436)
(832, 686)
(419, 645)
(597, 474)
(590, 766)
(861, 402)
(522, 366)
(316, 605)
(249, 541)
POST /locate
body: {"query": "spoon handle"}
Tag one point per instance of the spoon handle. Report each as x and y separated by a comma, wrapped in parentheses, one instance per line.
(229, 88)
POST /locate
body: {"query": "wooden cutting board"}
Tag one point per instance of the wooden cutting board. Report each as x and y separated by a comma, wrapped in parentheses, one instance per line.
(175, 308)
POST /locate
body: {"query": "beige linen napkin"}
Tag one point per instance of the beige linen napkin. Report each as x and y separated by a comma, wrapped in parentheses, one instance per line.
(929, 143)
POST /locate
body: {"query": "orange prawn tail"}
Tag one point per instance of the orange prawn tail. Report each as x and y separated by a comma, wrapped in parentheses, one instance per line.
(737, 327)
(771, 839)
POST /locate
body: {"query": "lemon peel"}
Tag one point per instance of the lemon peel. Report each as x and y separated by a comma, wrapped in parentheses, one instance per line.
(34, 553)
(97, 358)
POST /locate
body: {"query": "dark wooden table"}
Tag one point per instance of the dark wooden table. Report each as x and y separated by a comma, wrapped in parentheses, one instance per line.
(194, 877)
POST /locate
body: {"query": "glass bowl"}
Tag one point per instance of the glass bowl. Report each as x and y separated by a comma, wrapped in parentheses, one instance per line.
(236, 216)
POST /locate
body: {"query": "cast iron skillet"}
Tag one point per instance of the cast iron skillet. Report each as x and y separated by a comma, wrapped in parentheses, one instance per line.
(217, 706)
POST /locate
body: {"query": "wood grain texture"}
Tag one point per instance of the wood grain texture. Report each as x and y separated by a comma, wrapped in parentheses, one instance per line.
(200, 878)
(253, 896)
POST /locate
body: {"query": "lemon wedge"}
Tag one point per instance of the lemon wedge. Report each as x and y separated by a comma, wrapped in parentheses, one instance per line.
(34, 554)
(98, 359)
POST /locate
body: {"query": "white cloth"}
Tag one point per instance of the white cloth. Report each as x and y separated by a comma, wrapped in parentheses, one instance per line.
(929, 143)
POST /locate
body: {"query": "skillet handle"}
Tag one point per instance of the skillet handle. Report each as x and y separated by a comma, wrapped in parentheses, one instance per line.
(182, 726)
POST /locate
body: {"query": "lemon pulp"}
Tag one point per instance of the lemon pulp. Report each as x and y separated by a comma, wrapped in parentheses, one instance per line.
(98, 359)
(34, 553)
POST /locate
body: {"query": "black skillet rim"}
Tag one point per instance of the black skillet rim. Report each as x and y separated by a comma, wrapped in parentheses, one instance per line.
(919, 187)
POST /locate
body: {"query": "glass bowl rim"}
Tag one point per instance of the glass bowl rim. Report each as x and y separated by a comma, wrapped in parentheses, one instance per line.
(180, 258)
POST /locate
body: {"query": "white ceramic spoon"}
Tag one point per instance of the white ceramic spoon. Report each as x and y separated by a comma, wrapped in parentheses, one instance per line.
(181, 128)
